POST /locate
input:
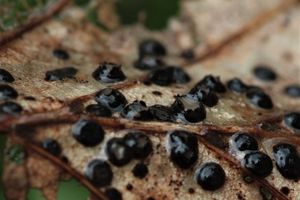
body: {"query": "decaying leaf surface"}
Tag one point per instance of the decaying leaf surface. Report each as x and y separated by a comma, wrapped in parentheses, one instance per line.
(48, 105)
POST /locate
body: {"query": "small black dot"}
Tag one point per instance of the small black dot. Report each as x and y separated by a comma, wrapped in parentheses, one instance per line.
(52, 146)
(113, 194)
(129, 187)
(285, 190)
(191, 190)
(188, 54)
(157, 93)
(140, 170)
(61, 54)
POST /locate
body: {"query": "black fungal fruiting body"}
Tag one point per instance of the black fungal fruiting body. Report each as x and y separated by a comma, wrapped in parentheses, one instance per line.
(210, 82)
(244, 141)
(7, 92)
(139, 144)
(292, 90)
(61, 54)
(118, 153)
(168, 75)
(161, 113)
(88, 133)
(210, 176)
(137, 111)
(206, 96)
(148, 63)
(10, 108)
(109, 73)
(188, 54)
(183, 148)
(140, 170)
(292, 120)
(258, 163)
(111, 98)
(237, 85)
(259, 98)
(5, 76)
(151, 47)
(98, 110)
(188, 110)
(113, 194)
(60, 74)
(99, 173)
(287, 160)
(52, 146)
(264, 73)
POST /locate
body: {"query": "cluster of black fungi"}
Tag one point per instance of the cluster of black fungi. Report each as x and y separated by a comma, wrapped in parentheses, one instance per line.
(286, 157)
(189, 108)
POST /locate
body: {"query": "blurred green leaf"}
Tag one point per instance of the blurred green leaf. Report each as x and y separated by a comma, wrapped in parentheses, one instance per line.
(2, 147)
(35, 194)
(72, 189)
(16, 154)
(157, 12)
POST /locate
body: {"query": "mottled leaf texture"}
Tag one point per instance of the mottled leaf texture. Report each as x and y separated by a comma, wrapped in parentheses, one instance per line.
(52, 137)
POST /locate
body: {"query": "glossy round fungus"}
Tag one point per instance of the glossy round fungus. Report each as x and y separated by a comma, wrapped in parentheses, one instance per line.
(10, 108)
(168, 75)
(152, 47)
(5, 76)
(140, 170)
(112, 99)
(210, 176)
(292, 90)
(148, 63)
(109, 73)
(259, 98)
(183, 148)
(210, 82)
(161, 113)
(52, 146)
(98, 110)
(99, 173)
(287, 160)
(113, 194)
(264, 73)
(139, 144)
(60, 74)
(258, 163)
(117, 152)
(237, 85)
(292, 120)
(61, 54)
(7, 92)
(137, 111)
(243, 141)
(88, 133)
(188, 110)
